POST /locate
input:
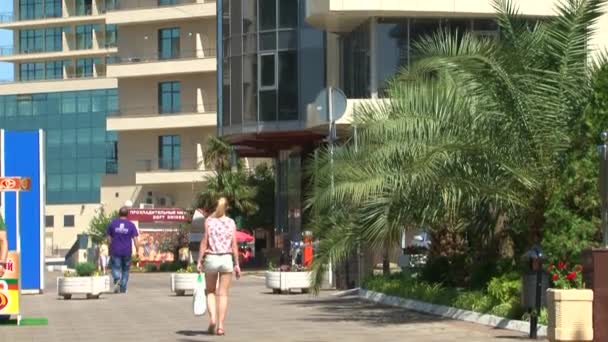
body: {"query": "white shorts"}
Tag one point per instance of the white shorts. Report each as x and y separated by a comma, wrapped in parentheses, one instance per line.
(218, 263)
(103, 260)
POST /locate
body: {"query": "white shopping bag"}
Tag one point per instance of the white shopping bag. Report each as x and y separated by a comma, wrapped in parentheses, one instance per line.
(200, 298)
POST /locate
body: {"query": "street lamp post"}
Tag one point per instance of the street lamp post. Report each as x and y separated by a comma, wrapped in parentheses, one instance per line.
(603, 152)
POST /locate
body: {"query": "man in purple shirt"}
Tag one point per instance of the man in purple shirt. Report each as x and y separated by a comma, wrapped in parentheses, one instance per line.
(120, 233)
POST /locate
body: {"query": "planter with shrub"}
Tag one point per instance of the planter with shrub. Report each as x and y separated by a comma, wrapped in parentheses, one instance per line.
(286, 279)
(184, 280)
(86, 280)
(569, 305)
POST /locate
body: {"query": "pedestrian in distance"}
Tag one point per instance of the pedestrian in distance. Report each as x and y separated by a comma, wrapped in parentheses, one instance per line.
(104, 257)
(122, 234)
(219, 259)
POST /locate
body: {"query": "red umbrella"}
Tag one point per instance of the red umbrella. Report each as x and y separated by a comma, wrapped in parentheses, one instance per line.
(241, 236)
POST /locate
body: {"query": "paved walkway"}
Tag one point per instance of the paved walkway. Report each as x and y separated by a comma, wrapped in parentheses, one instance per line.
(150, 313)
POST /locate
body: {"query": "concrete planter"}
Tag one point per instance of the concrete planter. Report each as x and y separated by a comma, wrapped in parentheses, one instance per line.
(288, 281)
(570, 315)
(182, 282)
(92, 287)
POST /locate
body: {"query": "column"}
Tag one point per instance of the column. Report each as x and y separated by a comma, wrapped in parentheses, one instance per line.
(373, 60)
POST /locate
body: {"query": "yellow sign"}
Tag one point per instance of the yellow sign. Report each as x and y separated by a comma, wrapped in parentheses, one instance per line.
(9, 286)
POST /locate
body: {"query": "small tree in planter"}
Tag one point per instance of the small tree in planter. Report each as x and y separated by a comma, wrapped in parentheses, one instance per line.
(184, 280)
(570, 306)
(85, 280)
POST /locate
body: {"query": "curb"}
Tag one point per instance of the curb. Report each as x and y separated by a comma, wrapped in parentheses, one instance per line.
(450, 312)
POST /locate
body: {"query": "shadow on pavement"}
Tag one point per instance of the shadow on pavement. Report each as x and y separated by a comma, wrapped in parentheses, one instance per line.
(193, 333)
(352, 309)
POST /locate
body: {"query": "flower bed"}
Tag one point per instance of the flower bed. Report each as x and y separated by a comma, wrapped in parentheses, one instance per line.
(501, 297)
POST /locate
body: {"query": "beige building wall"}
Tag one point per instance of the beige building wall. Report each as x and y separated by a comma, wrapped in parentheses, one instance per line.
(139, 150)
(139, 96)
(59, 238)
(141, 41)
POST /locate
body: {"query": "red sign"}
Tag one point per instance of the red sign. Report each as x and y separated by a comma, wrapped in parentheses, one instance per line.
(15, 183)
(158, 215)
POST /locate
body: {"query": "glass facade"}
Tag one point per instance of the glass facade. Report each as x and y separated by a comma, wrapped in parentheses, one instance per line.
(51, 70)
(76, 138)
(267, 50)
(38, 9)
(395, 40)
(84, 7)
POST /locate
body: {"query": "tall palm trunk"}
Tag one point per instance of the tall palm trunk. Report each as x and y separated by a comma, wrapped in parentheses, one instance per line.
(386, 265)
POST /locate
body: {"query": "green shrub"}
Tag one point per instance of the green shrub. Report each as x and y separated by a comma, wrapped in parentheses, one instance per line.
(85, 269)
(170, 266)
(473, 300)
(151, 268)
(437, 270)
(505, 289)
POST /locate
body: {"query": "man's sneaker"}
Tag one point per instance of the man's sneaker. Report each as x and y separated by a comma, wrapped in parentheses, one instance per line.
(117, 287)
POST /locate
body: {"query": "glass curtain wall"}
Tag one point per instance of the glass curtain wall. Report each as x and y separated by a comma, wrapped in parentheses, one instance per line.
(395, 48)
(75, 131)
(260, 61)
(39, 9)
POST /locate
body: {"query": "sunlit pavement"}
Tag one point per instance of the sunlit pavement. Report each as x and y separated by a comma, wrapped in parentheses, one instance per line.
(149, 312)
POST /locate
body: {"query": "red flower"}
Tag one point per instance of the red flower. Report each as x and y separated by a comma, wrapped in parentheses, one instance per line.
(555, 276)
(551, 267)
(571, 275)
(578, 268)
(561, 265)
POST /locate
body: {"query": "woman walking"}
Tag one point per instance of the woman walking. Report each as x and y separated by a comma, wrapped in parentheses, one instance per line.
(220, 253)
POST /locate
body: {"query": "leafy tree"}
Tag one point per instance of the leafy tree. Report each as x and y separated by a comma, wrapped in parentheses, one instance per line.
(99, 225)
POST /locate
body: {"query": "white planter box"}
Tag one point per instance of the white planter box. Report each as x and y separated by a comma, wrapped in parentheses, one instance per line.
(182, 282)
(288, 281)
(92, 287)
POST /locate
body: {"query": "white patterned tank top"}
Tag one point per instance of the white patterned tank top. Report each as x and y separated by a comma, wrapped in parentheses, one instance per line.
(221, 232)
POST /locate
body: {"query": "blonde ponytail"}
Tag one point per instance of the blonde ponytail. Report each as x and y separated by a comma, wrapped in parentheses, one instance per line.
(220, 209)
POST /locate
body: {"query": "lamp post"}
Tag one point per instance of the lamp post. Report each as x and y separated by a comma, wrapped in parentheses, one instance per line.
(603, 152)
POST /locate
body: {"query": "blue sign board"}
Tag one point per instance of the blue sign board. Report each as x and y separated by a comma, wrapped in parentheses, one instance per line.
(22, 155)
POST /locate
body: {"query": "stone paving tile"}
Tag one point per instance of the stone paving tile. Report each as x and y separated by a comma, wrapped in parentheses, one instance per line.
(150, 313)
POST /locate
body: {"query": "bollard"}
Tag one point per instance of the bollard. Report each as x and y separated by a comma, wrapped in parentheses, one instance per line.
(534, 258)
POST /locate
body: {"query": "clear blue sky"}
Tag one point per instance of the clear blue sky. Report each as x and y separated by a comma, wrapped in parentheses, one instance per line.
(6, 39)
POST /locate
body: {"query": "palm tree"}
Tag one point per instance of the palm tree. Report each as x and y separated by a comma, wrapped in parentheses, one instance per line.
(473, 124)
(227, 183)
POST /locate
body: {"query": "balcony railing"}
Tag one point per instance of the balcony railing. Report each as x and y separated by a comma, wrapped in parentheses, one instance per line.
(7, 18)
(207, 108)
(149, 165)
(70, 76)
(124, 5)
(161, 57)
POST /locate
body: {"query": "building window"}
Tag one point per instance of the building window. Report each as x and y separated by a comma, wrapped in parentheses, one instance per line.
(111, 36)
(49, 221)
(169, 152)
(168, 43)
(53, 39)
(84, 7)
(169, 97)
(31, 71)
(268, 78)
(68, 220)
(31, 9)
(268, 14)
(167, 2)
(53, 8)
(84, 67)
(31, 41)
(84, 37)
(54, 70)
(111, 153)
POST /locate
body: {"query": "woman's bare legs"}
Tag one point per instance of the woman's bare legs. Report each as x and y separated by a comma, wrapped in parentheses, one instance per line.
(225, 279)
(211, 280)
